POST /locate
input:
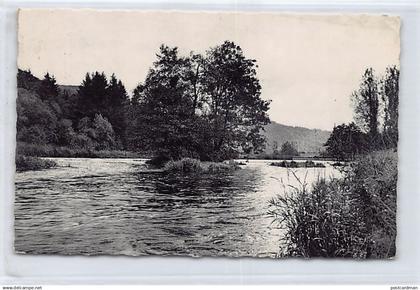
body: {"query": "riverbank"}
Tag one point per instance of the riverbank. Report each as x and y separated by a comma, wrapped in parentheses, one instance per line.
(25, 149)
(354, 216)
(26, 163)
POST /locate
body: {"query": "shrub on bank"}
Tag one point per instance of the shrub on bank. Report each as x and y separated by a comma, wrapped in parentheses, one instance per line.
(373, 183)
(25, 163)
(350, 217)
(184, 165)
(190, 165)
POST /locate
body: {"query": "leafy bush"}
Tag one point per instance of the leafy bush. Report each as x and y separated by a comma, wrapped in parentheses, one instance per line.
(36, 120)
(289, 149)
(24, 163)
(82, 141)
(94, 135)
(65, 132)
(350, 217)
(105, 136)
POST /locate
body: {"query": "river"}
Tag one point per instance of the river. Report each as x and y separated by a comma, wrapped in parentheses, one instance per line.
(115, 207)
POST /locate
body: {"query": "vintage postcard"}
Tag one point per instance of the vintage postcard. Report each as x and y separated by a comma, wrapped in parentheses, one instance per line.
(235, 134)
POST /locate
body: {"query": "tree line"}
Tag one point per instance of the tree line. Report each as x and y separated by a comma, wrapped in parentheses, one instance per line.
(376, 117)
(205, 106)
(48, 115)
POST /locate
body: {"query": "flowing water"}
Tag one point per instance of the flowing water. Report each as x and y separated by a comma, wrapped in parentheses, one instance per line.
(117, 207)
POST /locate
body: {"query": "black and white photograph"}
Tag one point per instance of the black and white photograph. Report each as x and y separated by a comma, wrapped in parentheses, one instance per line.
(206, 134)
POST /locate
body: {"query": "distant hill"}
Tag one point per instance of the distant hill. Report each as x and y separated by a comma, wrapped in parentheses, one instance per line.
(307, 140)
(26, 80)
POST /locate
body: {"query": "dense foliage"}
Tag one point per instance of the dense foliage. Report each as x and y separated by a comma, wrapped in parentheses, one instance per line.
(201, 106)
(351, 217)
(48, 115)
(289, 149)
(354, 216)
(376, 116)
(346, 142)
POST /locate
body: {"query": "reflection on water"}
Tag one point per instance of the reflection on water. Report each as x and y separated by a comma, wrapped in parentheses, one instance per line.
(112, 206)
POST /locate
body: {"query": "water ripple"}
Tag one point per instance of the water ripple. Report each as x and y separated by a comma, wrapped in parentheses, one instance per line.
(105, 206)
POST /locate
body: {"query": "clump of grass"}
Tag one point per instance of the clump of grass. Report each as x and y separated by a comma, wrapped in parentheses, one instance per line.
(184, 165)
(320, 222)
(350, 217)
(25, 163)
(294, 164)
(220, 167)
(191, 165)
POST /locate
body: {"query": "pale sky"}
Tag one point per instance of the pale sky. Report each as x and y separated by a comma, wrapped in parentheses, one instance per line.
(308, 64)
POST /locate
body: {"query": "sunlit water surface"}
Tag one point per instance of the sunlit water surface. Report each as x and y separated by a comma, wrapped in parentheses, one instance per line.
(114, 206)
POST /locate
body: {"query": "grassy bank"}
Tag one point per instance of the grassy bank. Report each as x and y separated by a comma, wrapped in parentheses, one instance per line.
(350, 217)
(190, 165)
(25, 163)
(26, 149)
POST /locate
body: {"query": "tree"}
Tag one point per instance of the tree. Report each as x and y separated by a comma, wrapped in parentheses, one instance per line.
(67, 102)
(96, 133)
(36, 121)
(275, 148)
(48, 89)
(389, 93)
(104, 133)
(109, 99)
(366, 106)
(232, 103)
(116, 107)
(165, 119)
(65, 132)
(346, 141)
(200, 106)
(26, 80)
(92, 95)
(289, 149)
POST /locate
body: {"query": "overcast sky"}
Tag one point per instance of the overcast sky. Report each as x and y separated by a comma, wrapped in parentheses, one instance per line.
(308, 64)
